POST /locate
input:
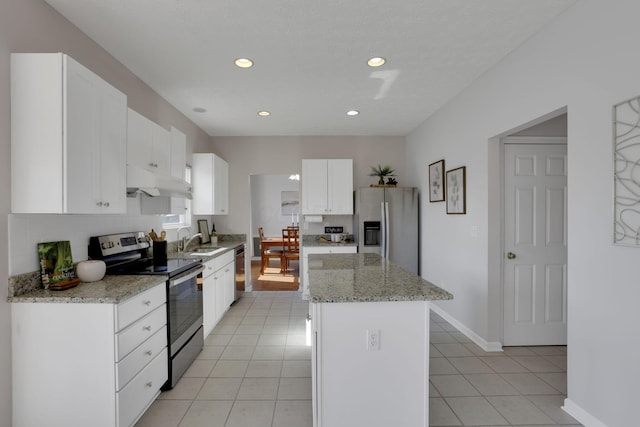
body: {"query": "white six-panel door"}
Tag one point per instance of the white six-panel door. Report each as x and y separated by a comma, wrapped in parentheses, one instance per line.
(535, 258)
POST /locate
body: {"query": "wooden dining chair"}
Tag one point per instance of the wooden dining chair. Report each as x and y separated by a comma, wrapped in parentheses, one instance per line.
(291, 246)
(269, 253)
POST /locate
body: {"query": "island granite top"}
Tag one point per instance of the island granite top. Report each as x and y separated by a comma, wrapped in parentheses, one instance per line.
(366, 278)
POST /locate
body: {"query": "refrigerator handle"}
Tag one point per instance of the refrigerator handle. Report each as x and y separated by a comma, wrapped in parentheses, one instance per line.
(383, 231)
(387, 230)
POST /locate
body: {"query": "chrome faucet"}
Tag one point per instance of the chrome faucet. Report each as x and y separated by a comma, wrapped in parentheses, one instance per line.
(187, 241)
(181, 242)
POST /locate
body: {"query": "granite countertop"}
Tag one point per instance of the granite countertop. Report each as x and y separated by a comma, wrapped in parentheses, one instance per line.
(324, 240)
(109, 290)
(366, 278)
(26, 288)
(229, 244)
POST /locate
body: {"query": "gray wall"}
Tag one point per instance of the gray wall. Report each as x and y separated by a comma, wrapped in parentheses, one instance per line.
(33, 26)
(283, 155)
(582, 63)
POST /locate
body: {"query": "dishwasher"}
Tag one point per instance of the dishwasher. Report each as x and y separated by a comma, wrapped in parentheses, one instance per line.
(240, 276)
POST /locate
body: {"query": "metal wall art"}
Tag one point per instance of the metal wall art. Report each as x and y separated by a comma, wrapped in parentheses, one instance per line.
(626, 152)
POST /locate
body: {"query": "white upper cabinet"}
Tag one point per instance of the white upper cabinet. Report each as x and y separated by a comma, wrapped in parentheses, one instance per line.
(68, 140)
(178, 163)
(148, 144)
(327, 186)
(210, 185)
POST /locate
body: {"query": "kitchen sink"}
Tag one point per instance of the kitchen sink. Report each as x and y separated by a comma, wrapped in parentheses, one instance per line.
(207, 251)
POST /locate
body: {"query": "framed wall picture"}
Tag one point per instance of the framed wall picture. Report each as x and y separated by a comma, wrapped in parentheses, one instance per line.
(457, 190)
(436, 181)
(203, 228)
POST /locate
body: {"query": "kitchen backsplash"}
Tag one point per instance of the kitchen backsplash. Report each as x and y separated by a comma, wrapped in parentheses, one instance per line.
(27, 230)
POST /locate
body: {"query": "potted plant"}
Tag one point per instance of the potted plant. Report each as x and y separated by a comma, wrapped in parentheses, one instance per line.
(383, 172)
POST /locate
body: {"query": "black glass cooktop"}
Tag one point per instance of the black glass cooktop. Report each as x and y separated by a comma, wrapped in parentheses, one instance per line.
(146, 266)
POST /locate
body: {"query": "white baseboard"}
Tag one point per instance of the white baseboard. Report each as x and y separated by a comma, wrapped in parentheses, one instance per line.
(585, 418)
(489, 346)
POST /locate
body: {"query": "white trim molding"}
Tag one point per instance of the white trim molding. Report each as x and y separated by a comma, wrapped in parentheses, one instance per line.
(588, 420)
(489, 346)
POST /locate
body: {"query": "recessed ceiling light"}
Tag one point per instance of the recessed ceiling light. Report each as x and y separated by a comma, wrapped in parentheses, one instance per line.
(200, 110)
(353, 112)
(376, 62)
(244, 62)
(264, 113)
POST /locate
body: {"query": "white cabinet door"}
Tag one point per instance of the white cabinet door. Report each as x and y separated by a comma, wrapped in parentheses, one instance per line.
(221, 186)
(166, 204)
(229, 284)
(327, 186)
(69, 132)
(161, 153)
(148, 144)
(220, 292)
(314, 186)
(209, 317)
(139, 140)
(210, 184)
(340, 186)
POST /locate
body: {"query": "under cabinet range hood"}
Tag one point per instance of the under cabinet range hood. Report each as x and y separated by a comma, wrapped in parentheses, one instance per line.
(140, 180)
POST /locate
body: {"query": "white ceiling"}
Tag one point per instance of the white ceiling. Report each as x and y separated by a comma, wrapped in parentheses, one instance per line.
(310, 56)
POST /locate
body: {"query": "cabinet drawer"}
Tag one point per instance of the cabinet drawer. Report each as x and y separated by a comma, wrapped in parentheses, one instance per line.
(132, 309)
(209, 268)
(128, 367)
(140, 331)
(134, 399)
(223, 259)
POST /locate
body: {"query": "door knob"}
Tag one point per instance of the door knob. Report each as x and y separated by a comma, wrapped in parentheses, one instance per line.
(511, 255)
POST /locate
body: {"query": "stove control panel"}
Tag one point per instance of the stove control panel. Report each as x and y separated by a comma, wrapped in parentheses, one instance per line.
(101, 247)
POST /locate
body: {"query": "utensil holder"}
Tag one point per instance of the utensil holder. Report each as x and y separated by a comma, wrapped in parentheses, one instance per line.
(160, 253)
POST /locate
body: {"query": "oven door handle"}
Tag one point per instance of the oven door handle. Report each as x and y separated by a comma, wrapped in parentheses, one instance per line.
(189, 275)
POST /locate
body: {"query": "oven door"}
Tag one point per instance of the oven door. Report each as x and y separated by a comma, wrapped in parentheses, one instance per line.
(184, 307)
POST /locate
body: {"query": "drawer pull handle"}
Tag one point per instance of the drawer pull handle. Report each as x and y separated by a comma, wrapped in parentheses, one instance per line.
(148, 352)
(149, 384)
(146, 328)
(147, 303)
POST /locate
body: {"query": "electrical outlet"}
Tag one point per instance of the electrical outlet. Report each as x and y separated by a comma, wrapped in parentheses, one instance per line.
(373, 339)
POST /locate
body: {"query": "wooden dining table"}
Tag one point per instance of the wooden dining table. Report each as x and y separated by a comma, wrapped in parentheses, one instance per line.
(265, 244)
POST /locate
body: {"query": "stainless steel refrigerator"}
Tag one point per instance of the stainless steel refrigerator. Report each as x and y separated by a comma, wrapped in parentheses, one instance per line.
(386, 222)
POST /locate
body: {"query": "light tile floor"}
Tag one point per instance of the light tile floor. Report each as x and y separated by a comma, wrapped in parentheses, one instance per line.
(255, 371)
(522, 386)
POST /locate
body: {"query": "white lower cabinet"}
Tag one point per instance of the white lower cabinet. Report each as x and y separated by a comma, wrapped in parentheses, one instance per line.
(361, 381)
(218, 289)
(306, 250)
(87, 364)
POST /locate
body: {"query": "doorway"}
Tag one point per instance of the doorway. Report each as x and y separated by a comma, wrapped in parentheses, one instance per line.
(274, 199)
(534, 241)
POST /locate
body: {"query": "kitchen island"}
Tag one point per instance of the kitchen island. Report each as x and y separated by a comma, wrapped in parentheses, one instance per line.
(370, 338)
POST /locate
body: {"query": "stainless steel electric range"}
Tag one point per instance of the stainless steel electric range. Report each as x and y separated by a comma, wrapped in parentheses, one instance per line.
(128, 253)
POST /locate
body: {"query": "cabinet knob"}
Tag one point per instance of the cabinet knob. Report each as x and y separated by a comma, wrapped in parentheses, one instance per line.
(147, 302)
(149, 384)
(147, 328)
(99, 204)
(106, 204)
(511, 255)
(148, 352)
